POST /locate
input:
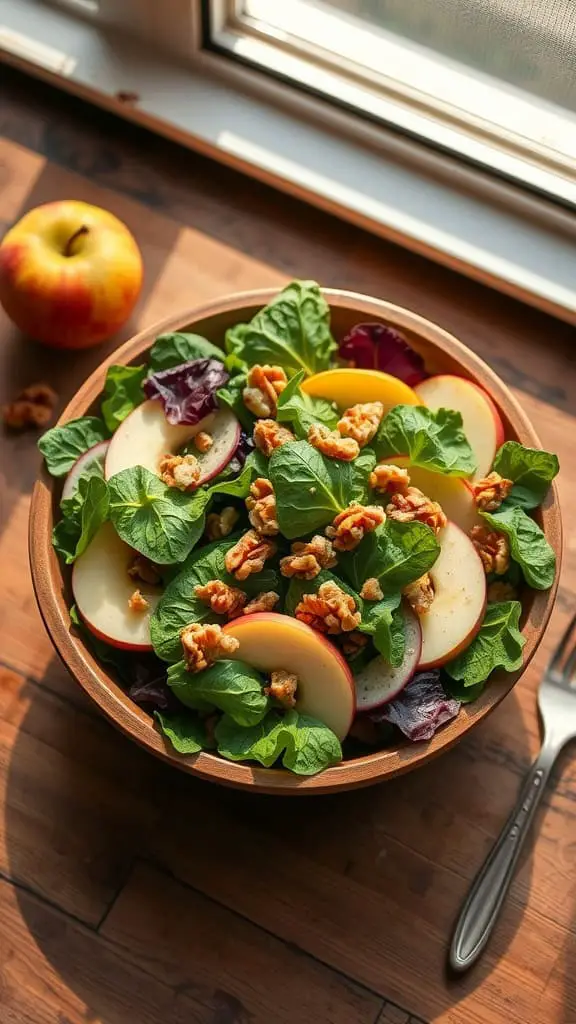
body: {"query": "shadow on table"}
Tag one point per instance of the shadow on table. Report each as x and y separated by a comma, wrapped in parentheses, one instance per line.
(84, 806)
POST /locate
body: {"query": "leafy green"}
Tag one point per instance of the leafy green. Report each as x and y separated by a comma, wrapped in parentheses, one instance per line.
(432, 440)
(396, 554)
(82, 516)
(231, 686)
(292, 332)
(312, 489)
(122, 393)
(186, 733)
(179, 347)
(231, 396)
(307, 746)
(531, 469)
(61, 446)
(179, 605)
(160, 522)
(498, 644)
(528, 545)
(238, 487)
(384, 622)
(301, 410)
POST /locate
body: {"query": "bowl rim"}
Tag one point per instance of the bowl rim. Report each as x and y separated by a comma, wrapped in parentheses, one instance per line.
(48, 577)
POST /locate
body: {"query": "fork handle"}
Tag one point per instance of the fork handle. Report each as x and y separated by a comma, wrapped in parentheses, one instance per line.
(480, 911)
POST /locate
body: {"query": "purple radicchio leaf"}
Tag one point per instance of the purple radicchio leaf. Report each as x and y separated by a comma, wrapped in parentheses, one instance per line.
(153, 695)
(378, 347)
(188, 391)
(421, 708)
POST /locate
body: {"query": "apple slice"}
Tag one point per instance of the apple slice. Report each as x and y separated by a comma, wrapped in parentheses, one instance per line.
(145, 436)
(97, 453)
(452, 493)
(349, 386)
(270, 641)
(456, 613)
(102, 588)
(482, 423)
(378, 683)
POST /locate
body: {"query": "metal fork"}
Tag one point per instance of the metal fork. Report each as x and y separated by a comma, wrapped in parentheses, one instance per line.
(557, 703)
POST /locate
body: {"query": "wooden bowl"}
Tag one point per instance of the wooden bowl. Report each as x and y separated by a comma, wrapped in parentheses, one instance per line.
(442, 352)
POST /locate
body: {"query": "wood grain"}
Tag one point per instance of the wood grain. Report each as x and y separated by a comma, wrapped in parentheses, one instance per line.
(357, 891)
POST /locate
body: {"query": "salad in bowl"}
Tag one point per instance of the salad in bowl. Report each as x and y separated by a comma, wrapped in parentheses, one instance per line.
(296, 548)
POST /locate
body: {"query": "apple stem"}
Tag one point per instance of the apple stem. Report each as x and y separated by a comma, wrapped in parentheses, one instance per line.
(70, 243)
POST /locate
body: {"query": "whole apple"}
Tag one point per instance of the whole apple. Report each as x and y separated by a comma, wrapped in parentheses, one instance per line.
(70, 274)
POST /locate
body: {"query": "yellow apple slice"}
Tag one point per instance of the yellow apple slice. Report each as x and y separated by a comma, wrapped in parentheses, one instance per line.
(349, 386)
(456, 613)
(482, 422)
(102, 588)
(452, 493)
(326, 691)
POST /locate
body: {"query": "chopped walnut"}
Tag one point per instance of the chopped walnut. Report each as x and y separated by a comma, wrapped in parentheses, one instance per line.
(181, 471)
(142, 568)
(223, 599)
(501, 590)
(308, 559)
(263, 385)
(371, 590)
(33, 407)
(249, 555)
(352, 643)
(420, 593)
(220, 524)
(490, 492)
(332, 444)
(263, 602)
(493, 548)
(393, 479)
(413, 505)
(330, 610)
(361, 421)
(138, 603)
(351, 525)
(269, 435)
(203, 644)
(203, 441)
(261, 505)
(283, 686)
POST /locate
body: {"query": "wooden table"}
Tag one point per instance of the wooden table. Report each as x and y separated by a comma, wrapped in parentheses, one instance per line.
(130, 894)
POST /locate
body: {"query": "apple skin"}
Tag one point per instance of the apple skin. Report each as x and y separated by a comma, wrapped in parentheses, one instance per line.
(70, 274)
(113, 642)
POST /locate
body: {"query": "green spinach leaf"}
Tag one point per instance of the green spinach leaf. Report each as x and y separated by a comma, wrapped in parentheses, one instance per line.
(384, 622)
(179, 347)
(186, 732)
(232, 686)
(122, 393)
(395, 554)
(231, 396)
(301, 410)
(528, 545)
(531, 469)
(61, 446)
(307, 745)
(82, 516)
(433, 440)
(498, 644)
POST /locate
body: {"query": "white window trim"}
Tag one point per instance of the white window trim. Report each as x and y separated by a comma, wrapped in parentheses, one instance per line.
(420, 199)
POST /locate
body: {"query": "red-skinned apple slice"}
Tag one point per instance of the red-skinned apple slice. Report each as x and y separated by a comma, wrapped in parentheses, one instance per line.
(326, 691)
(456, 613)
(482, 422)
(145, 436)
(451, 492)
(95, 454)
(379, 683)
(102, 588)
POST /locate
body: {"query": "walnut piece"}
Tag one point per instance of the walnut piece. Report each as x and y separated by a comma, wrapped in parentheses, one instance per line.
(249, 555)
(223, 599)
(181, 471)
(308, 559)
(330, 610)
(361, 421)
(203, 644)
(263, 602)
(203, 441)
(142, 568)
(220, 524)
(493, 548)
(393, 479)
(371, 590)
(261, 505)
(263, 385)
(352, 643)
(283, 686)
(33, 407)
(269, 435)
(420, 593)
(138, 603)
(501, 590)
(351, 525)
(490, 492)
(332, 444)
(412, 505)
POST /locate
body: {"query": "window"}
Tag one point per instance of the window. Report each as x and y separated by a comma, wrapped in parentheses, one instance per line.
(492, 81)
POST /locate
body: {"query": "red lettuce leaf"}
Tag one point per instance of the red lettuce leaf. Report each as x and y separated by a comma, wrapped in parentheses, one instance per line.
(378, 347)
(421, 708)
(188, 391)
